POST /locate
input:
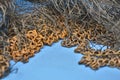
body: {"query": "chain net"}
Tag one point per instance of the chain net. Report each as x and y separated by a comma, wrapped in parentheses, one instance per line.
(91, 25)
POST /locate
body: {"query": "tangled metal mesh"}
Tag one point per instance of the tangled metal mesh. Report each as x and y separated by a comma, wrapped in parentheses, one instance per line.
(27, 25)
(106, 12)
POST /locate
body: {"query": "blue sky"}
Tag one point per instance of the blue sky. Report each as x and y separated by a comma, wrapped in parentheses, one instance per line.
(59, 63)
